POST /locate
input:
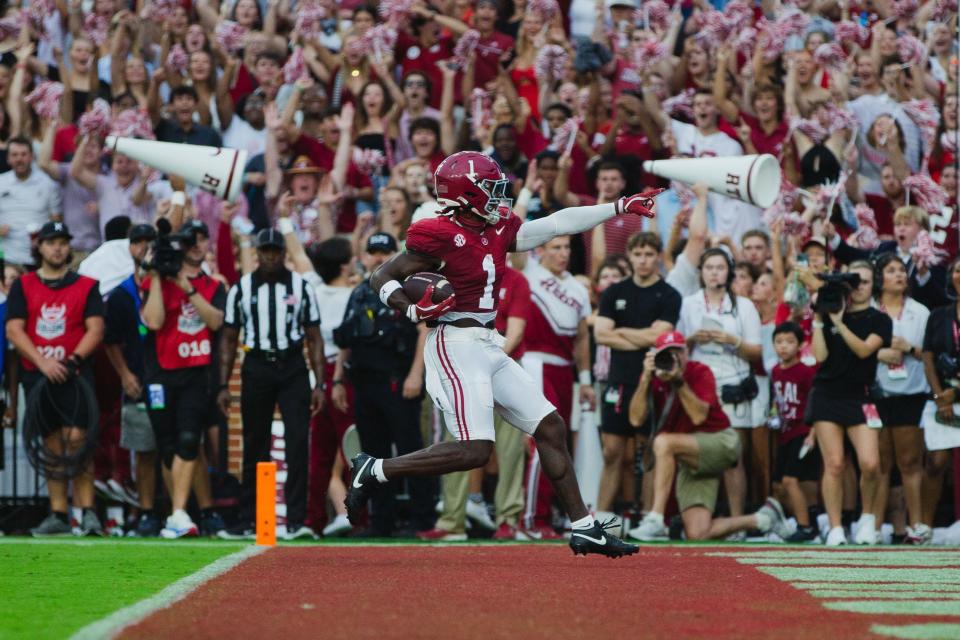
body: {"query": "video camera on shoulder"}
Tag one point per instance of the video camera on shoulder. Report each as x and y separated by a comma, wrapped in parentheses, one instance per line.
(168, 250)
(831, 296)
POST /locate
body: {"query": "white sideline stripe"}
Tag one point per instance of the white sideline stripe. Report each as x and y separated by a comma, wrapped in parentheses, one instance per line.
(123, 542)
(112, 625)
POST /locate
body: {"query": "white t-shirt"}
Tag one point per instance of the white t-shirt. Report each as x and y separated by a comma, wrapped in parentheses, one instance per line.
(333, 303)
(730, 217)
(240, 135)
(909, 377)
(744, 321)
(684, 277)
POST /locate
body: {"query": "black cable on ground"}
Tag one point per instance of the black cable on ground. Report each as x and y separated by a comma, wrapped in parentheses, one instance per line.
(53, 406)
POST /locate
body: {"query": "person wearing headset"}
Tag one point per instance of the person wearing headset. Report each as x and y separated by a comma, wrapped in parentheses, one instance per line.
(723, 332)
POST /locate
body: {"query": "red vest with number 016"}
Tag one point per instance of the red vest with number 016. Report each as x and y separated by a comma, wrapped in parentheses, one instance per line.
(55, 320)
(184, 339)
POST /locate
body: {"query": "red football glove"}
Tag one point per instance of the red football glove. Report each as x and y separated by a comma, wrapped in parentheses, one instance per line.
(640, 204)
(426, 308)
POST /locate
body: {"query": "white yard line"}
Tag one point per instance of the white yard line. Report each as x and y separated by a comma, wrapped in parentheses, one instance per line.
(112, 625)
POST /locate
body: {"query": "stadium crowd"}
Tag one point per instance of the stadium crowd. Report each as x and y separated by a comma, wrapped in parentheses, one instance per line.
(346, 109)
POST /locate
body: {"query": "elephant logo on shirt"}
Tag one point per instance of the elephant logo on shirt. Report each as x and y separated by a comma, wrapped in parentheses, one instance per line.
(189, 321)
(52, 322)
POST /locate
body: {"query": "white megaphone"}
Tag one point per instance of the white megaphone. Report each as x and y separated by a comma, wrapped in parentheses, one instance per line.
(213, 169)
(753, 179)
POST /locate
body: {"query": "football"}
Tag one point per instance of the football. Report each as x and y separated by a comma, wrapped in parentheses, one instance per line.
(416, 285)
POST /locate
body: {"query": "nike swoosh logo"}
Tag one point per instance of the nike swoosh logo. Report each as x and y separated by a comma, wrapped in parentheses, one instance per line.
(359, 473)
(499, 231)
(600, 541)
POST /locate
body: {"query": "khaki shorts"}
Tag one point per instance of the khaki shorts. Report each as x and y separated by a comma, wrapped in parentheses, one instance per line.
(698, 487)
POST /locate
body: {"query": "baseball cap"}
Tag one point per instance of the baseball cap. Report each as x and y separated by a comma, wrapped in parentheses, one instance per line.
(820, 240)
(142, 232)
(52, 230)
(668, 340)
(196, 226)
(383, 242)
(270, 238)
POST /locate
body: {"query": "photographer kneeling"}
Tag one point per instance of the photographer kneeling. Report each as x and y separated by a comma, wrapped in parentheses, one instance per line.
(694, 433)
(847, 334)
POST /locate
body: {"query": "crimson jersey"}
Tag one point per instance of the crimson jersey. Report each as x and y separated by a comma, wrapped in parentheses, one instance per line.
(55, 317)
(791, 386)
(184, 340)
(514, 303)
(474, 262)
(559, 304)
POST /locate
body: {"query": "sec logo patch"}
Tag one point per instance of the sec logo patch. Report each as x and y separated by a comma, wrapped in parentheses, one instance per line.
(459, 240)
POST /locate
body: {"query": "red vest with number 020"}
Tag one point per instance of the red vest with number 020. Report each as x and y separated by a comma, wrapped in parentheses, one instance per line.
(55, 321)
(184, 340)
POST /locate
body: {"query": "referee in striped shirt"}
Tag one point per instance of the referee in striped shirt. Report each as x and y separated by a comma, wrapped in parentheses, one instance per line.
(276, 310)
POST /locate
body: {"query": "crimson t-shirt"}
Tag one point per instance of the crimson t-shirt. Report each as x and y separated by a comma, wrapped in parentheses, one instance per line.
(514, 303)
(413, 57)
(700, 379)
(791, 386)
(488, 52)
(883, 211)
(763, 142)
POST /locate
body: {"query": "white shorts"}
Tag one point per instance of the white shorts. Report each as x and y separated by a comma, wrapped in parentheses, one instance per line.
(469, 377)
(937, 436)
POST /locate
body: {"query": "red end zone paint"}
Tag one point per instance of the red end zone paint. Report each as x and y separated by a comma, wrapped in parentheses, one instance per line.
(498, 592)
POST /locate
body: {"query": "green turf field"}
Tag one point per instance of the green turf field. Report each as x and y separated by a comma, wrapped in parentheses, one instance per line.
(87, 580)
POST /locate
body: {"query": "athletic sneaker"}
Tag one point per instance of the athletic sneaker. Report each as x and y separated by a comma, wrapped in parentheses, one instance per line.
(243, 531)
(770, 518)
(477, 512)
(866, 530)
(362, 484)
(338, 526)
(836, 537)
(52, 525)
(505, 532)
(597, 540)
(300, 532)
(179, 525)
(148, 526)
(441, 535)
(90, 524)
(127, 494)
(802, 534)
(211, 524)
(650, 528)
(541, 532)
(919, 534)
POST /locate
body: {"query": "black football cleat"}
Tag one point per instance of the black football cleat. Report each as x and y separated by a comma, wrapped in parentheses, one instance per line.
(597, 540)
(363, 482)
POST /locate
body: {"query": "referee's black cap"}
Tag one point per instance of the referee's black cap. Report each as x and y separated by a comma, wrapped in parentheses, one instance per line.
(270, 238)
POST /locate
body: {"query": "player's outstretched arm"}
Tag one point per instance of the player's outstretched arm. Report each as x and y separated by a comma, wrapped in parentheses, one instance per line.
(388, 277)
(579, 219)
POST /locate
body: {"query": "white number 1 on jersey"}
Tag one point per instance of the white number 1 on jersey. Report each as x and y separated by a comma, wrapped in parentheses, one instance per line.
(486, 300)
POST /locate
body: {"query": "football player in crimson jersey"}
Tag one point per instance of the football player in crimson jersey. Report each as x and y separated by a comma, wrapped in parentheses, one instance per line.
(467, 373)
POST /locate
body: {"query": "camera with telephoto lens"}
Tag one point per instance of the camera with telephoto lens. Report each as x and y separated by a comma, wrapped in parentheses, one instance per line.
(831, 295)
(665, 361)
(167, 251)
(948, 367)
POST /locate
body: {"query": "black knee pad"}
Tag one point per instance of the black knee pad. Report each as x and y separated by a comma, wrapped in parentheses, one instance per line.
(188, 444)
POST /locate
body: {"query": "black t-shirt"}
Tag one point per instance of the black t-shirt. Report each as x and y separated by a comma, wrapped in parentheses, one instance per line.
(843, 373)
(634, 307)
(17, 302)
(122, 328)
(170, 131)
(942, 334)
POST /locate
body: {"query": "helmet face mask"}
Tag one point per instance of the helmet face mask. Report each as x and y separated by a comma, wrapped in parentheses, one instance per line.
(498, 203)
